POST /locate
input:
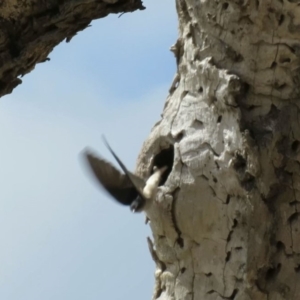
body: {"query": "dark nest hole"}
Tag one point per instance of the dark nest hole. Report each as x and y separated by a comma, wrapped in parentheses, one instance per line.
(164, 158)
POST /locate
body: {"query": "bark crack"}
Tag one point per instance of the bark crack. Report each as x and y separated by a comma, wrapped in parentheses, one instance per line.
(193, 277)
(228, 253)
(231, 297)
(179, 240)
(160, 265)
(154, 255)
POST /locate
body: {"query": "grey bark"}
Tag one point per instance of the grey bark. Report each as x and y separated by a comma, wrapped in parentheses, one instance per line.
(30, 29)
(226, 222)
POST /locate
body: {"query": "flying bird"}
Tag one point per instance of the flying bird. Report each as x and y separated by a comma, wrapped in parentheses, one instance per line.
(126, 188)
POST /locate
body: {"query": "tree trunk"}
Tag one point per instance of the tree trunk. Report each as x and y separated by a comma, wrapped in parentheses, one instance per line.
(226, 222)
(29, 30)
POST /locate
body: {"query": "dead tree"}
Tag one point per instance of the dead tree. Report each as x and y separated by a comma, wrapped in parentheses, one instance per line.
(226, 219)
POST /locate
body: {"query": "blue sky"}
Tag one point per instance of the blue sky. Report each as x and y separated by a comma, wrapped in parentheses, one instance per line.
(61, 237)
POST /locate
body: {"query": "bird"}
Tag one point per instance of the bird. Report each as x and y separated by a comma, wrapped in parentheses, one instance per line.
(126, 188)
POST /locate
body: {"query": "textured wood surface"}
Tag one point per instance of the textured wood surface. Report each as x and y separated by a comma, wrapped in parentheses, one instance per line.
(226, 222)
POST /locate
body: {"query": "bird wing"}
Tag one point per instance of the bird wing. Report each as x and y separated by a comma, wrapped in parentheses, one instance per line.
(138, 182)
(118, 185)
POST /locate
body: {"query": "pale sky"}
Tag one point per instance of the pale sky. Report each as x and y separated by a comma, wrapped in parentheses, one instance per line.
(62, 238)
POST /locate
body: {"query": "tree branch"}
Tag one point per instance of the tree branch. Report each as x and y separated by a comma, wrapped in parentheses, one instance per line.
(30, 30)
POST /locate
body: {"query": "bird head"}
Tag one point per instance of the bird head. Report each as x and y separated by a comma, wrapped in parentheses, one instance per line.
(137, 204)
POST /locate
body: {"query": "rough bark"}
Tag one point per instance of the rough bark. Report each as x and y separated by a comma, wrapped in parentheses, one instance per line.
(226, 221)
(30, 29)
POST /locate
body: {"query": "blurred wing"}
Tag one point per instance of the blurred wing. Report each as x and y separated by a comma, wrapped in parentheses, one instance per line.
(138, 182)
(112, 180)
